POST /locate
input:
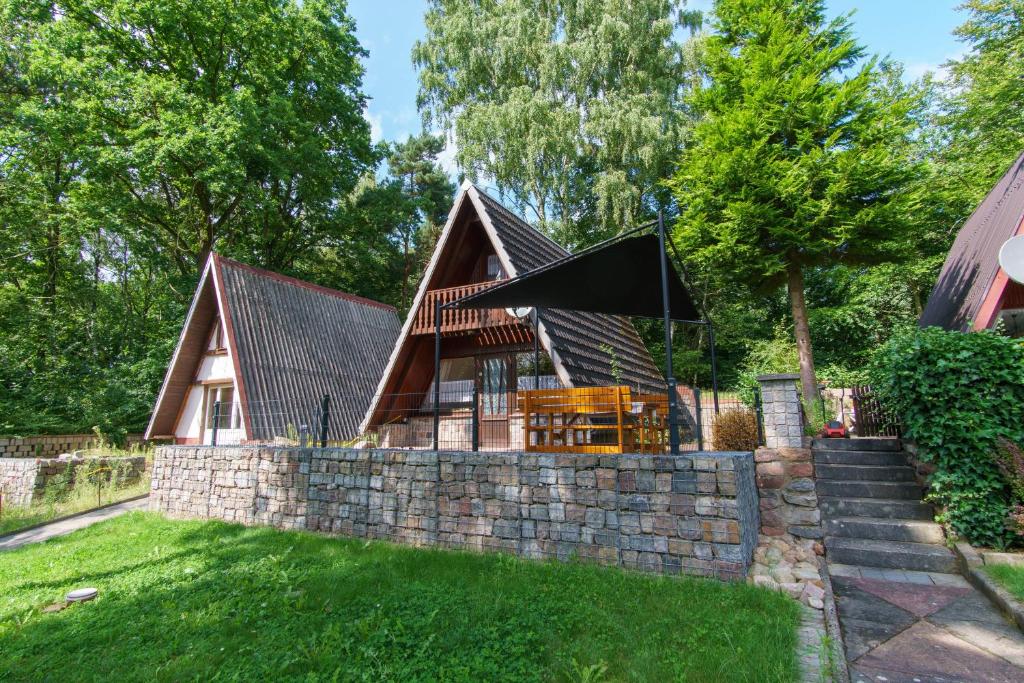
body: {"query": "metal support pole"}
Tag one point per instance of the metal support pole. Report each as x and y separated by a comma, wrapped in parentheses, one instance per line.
(476, 417)
(700, 421)
(536, 349)
(714, 364)
(437, 370)
(670, 380)
(216, 422)
(325, 413)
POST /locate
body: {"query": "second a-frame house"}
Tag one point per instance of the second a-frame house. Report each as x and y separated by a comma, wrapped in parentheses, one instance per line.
(258, 353)
(489, 353)
(973, 292)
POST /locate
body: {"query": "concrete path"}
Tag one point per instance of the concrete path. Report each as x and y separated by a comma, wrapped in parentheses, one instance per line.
(920, 627)
(66, 526)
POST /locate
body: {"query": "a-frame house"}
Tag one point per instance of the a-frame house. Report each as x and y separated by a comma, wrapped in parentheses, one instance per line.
(260, 350)
(489, 350)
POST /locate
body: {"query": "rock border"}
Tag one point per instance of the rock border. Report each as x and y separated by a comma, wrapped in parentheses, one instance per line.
(971, 563)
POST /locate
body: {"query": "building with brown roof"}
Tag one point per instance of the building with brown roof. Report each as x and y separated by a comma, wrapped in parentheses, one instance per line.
(259, 351)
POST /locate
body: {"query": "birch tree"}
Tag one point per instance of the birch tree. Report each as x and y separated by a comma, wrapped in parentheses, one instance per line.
(572, 107)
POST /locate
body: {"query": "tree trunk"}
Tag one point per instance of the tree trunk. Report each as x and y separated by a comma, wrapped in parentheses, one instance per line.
(802, 331)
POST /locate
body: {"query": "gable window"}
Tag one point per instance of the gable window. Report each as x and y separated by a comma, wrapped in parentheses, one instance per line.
(216, 338)
(230, 414)
(494, 269)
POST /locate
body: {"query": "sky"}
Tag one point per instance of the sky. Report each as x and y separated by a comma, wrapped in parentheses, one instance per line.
(917, 33)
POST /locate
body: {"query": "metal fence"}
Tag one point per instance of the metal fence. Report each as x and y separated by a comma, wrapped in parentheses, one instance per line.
(579, 420)
(301, 422)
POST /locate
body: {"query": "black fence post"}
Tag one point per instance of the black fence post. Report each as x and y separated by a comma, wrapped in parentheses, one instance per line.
(476, 418)
(759, 416)
(325, 413)
(437, 371)
(216, 422)
(700, 421)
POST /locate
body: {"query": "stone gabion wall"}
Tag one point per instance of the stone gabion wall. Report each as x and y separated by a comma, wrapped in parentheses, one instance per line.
(44, 446)
(24, 480)
(694, 514)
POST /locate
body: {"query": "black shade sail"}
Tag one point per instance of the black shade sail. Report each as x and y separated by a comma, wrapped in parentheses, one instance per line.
(622, 277)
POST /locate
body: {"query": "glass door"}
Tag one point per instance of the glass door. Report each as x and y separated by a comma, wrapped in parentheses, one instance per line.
(495, 380)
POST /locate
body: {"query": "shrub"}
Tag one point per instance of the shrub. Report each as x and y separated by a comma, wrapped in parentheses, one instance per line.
(958, 395)
(1009, 458)
(735, 430)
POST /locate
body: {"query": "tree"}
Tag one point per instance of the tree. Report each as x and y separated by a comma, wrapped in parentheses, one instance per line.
(427, 192)
(572, 107)
(800, 157)
(981, 119)
(215, 123)
(391, 224)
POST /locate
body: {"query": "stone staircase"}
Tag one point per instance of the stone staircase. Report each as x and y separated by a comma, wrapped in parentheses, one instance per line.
(871, 507)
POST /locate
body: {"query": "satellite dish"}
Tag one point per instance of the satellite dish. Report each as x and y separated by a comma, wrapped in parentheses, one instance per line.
(520, 312)
(1011, 258)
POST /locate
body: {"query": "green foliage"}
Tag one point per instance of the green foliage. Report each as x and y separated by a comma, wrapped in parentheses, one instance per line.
(773, 356)
(800, 158)
(979, 127)
(573, 107)
(207, 600)
(958, 395)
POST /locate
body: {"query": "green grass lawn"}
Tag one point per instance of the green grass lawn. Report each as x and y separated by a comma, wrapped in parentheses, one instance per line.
(213, 601)
(80, 499)
(1009, 577)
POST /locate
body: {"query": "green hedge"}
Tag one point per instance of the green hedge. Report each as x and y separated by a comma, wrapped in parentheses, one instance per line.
(957, 394)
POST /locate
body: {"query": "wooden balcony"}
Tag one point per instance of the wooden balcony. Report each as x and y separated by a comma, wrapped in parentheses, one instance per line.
(464, 321)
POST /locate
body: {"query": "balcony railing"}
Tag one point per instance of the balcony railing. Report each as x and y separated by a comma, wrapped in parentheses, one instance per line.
(456, 320)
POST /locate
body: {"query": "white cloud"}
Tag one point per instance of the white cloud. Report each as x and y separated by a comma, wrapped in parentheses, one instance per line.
(376, 126)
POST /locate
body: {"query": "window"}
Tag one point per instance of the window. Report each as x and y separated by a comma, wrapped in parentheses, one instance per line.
(494, 269)
(229, 415)
(216, 338)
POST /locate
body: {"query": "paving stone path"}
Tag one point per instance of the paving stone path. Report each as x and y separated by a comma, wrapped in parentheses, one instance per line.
(66, 526)
(920, 627)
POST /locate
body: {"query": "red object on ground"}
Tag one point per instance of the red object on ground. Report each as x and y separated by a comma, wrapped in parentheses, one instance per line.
(835, 429)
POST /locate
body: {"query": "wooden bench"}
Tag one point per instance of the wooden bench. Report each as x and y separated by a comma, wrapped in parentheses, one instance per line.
(593, 420)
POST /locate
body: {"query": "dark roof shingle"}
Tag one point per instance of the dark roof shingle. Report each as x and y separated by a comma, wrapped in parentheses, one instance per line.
(973, 261)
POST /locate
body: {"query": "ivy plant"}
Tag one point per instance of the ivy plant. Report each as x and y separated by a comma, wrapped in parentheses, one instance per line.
(958, 395)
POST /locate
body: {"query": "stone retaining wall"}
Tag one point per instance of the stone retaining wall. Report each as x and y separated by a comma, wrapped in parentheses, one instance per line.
(694, 514)
(44, 446)
(24, 480)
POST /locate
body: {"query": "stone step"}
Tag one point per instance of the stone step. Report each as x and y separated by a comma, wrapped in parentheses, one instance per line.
(844, 457)
(902, 490)
(865, 472)
(878, 444)
(832, 508)
(883, 529)
(923, 557)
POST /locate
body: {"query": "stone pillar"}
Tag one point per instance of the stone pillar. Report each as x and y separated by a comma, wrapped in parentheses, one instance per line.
(780, 406)
(785, 469)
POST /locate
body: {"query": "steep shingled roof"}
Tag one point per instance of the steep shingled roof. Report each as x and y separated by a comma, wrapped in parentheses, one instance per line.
(971, 270)
(290, 342)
